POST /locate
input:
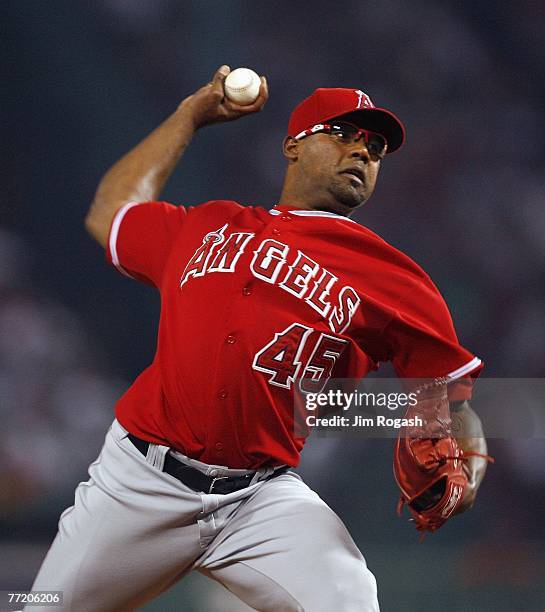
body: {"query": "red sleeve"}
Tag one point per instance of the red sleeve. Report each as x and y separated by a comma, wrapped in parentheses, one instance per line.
(423, 343)
(141, 238)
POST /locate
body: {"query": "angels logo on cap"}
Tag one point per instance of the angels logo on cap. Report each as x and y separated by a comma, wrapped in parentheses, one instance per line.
(363, 99)
(333, 103)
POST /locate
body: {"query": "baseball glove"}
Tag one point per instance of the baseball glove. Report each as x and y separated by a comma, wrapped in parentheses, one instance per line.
(429, 466)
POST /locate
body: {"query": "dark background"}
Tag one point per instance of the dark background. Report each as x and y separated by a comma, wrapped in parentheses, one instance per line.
(85, 81)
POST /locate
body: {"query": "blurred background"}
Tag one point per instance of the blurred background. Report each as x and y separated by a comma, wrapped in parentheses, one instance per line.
(85, 81)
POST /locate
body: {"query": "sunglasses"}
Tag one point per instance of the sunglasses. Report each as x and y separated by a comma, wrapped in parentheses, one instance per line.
(348, 133)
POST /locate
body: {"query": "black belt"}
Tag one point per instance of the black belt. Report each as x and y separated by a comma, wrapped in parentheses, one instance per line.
(198, 481)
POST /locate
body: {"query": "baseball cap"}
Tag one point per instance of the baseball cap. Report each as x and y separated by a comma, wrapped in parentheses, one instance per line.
(351, 104)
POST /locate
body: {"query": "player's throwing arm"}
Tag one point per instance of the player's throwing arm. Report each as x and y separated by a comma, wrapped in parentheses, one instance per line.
(142, 173)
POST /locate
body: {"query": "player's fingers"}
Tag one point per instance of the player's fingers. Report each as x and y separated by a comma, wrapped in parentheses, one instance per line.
(254, 107)
(236, 110)
(263, 92)
(262, 97)
(220, 76)
(264, 89)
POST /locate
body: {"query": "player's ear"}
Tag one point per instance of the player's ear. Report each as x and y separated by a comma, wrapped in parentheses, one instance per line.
(291, 148)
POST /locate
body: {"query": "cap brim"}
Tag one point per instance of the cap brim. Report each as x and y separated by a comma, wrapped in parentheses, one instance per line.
(381, 121)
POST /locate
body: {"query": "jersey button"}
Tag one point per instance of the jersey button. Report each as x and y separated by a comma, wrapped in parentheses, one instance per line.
(246, 291)
(222, 394)
(276, 231)
(219, 446)
(231, 339)
(285, 217)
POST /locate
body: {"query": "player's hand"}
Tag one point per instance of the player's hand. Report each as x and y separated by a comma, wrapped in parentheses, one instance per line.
(468, 432)
(474, 467)
(209, 104)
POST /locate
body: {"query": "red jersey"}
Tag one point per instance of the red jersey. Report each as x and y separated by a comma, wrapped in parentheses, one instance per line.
(253, 301)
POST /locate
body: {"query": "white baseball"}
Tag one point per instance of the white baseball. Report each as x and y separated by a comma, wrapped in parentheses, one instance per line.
(242, 86)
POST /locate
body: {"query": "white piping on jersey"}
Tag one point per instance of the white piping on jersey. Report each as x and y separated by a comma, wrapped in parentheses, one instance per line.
(116, 224)
(465, 369)
(311, 213)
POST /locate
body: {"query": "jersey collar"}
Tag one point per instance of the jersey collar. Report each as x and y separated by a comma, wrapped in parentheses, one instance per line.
(277, 210)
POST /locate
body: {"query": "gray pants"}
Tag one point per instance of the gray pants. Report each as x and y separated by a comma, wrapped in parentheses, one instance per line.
(134, 531)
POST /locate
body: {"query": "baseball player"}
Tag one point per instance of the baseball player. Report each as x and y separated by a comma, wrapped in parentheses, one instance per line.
(195, 472)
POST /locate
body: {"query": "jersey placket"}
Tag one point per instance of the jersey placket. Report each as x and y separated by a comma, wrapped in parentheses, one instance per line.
(232, 358)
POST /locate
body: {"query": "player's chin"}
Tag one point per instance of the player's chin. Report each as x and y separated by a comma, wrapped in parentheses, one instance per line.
(347, 195)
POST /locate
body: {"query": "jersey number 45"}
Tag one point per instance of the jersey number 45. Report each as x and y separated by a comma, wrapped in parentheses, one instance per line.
(280, 358)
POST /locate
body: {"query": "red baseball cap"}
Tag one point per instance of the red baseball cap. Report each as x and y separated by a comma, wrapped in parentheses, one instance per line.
(333, 103)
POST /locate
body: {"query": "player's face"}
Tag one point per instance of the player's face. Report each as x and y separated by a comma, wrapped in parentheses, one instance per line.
(341, 171)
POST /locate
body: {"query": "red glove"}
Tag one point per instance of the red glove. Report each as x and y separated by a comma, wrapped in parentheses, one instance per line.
(428, 463)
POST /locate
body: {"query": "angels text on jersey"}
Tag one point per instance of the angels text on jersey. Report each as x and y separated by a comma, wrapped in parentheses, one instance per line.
(276, 263)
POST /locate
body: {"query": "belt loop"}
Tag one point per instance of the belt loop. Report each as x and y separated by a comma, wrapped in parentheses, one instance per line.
(156, 455)
(261, 474)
